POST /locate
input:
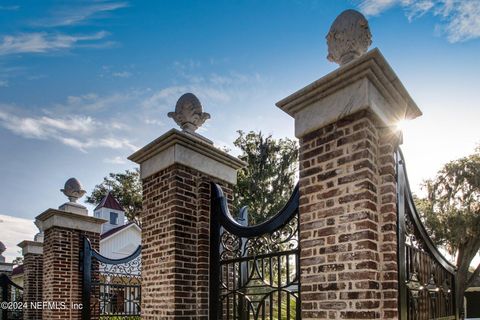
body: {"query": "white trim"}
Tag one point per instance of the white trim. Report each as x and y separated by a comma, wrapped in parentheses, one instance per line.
(120, 231)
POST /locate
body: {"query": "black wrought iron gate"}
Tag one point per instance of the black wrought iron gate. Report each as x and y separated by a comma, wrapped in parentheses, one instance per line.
(111, 287)
(11, 297)
(426, 278)
(254, 270)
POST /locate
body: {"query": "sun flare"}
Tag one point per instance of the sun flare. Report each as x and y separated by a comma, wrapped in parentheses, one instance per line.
(401, 124)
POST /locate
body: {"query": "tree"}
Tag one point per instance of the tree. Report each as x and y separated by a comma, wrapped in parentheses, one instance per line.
(18, 260)
(126, 188)
(266, 183)
(451, 212)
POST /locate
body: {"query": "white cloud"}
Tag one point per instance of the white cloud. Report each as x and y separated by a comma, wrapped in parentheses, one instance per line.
(463, 20)
(164, 97)
(94, 102)
(112, 143)
(167, 97)
(154, 122)
(36, 77)
(14, 231)
(9, 8)
(90, 143)
(77, 14)
(115, 160)
(112, 121)
(459, 19)
(44, 127)
(215, 88)
(79, 132)
(375, 7)
(122, 74)
(42, 42)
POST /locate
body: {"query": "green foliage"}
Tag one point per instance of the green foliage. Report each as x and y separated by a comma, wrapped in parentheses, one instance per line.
(126, 188)
(18, 260)
(452, 207)
(451, 213)
(267, 182)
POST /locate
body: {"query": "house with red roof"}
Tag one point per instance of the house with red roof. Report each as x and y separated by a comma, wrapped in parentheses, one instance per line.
(118, 238)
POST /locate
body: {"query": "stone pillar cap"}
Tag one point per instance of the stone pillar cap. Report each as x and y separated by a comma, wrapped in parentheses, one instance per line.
(57, 218)
(29, 246)
(391, 103)
(6, 267)
(186, 149)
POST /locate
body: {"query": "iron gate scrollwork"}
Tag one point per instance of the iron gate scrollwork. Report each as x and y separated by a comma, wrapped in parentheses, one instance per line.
(11, 292)
(111, 287)
(426, 278)
(254, 270)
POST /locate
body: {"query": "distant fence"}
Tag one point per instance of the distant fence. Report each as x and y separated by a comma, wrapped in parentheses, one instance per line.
(111, 287)
(13, 294)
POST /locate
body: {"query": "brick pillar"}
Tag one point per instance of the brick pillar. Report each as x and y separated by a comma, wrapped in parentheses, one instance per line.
(176, 171)
(346, 125)
(32, 277)
(62, 278)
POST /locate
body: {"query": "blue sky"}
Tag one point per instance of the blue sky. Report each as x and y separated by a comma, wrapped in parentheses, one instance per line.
(84, 85)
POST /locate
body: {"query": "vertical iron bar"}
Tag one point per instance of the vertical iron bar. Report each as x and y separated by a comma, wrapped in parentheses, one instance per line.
(402, 296)
(279, 284)
(286, 284)
(270, 263)
(86, 266)
(270, 306)
(214, 296)
(228, 289)
(298, 271)
(243, 276)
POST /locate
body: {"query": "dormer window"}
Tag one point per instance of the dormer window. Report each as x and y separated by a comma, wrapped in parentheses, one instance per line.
(113, 218)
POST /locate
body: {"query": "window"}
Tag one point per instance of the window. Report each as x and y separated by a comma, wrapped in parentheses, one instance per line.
(113, 218)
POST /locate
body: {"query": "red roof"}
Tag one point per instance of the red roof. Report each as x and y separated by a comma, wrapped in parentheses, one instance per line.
(109, 202)
(17, 270)
(114, 230)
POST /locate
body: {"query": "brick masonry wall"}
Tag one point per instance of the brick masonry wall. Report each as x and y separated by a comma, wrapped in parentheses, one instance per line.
(62, 279)
(348, 220)
(32, 284)
(175, 243)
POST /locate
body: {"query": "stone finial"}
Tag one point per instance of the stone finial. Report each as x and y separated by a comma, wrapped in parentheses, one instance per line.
(40, 235)
(2, 250)
(188, 113)
(73, 190)
(349, 37)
